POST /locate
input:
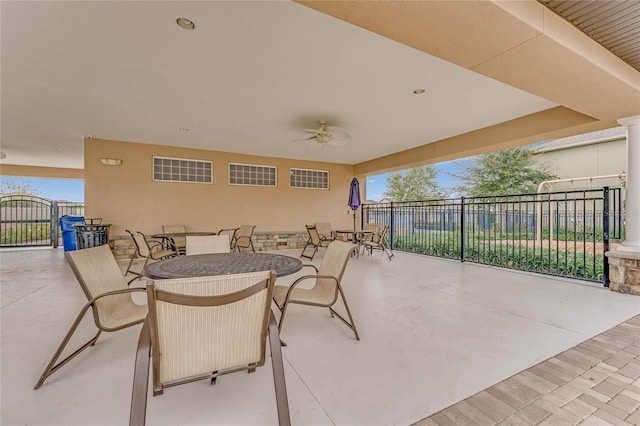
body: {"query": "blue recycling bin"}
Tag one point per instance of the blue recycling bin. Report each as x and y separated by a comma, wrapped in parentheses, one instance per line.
(69, 232)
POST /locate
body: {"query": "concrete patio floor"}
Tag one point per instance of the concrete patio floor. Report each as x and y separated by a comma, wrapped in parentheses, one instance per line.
(433, 333)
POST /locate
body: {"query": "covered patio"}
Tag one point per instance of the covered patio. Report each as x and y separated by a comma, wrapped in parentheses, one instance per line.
(433, 332)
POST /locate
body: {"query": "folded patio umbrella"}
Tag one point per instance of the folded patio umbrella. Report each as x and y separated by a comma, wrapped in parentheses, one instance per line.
(354, 199)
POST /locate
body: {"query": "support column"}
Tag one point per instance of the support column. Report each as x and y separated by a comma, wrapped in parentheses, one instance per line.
(632, 224)
(624, 263)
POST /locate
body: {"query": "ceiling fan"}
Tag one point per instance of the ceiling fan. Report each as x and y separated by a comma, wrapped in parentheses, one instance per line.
(326, 135)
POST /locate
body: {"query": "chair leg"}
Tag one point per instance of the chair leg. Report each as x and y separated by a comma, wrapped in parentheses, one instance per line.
(387, 251)
(52, 367)
(315, 250)
(138, 413)
(283, 312)
(278, 373)
(351, 324)
(133, 256)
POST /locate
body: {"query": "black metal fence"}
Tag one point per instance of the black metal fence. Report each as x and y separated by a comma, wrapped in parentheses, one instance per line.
(30, 221)
(559, 233)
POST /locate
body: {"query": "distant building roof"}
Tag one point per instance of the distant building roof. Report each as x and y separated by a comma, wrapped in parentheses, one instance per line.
(584, 139)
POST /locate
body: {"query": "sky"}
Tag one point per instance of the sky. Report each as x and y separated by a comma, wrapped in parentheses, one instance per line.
(53, 189)
(377, 184)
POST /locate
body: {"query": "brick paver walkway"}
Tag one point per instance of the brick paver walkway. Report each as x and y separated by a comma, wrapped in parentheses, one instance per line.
(594, 383)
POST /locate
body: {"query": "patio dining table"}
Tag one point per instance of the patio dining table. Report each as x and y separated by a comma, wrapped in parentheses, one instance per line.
(201, 265)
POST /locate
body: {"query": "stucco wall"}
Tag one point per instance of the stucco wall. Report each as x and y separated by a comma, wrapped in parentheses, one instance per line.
(126, 197)
(597, 159)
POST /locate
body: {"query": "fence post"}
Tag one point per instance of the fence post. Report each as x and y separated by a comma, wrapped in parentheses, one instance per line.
(53, 229)
(391, 227)
(605, 235)
(462, 230)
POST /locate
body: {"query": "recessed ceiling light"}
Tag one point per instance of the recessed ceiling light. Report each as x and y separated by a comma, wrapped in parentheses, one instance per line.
(2, 155)
(419, 91)
(59, 148)
(185, 23)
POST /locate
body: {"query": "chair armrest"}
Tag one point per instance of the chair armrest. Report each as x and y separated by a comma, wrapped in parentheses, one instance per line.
(309, 265)
(112, 293)
(306, 277)
(138, 412)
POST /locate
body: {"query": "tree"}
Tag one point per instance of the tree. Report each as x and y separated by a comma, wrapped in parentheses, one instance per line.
(16, 187)
(414, 184)
(512, 171)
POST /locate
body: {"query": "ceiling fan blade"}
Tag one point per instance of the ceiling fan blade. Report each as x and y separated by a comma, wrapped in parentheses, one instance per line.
(339, 141)
(305, 139)
(338, 132)
(340, 136)
(315, 144)
(311, 130)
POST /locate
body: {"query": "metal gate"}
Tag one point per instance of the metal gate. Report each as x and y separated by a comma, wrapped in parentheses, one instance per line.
(27, 221)
(30, 221)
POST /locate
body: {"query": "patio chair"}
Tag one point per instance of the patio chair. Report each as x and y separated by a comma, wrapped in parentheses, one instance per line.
(378, 243)
(243, 239)
(326, 288)
(150, 250)
(324, 230)
(231, 232)
(108, 296)
(178, 243)
(200, 328)
(205, 244)
(315, 240)
(372, 226)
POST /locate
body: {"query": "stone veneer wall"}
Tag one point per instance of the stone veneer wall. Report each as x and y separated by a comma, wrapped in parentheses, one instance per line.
(123, 247)
(624, 272)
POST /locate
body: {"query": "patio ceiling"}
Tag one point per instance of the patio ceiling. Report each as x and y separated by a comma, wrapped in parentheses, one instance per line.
(253, 74)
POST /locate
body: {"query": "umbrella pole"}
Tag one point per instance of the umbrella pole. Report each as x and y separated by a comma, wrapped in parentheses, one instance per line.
(354, 221)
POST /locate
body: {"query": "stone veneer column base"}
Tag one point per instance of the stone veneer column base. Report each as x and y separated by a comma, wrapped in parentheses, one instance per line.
(624, 271)
(123, 247)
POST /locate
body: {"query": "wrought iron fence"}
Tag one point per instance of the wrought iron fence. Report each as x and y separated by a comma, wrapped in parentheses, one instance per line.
(29, 221)
(559, 233)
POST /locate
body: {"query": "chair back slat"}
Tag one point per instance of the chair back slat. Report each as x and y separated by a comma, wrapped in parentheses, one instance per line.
(313, 234)
(190, 341)
(98, 272)
(205, 244)
(141, 244)
(179, 242)
(333, 263)
(324, 229)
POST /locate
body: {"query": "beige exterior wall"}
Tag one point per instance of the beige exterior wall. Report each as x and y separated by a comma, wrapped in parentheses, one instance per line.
(127, 197)
(589, 160)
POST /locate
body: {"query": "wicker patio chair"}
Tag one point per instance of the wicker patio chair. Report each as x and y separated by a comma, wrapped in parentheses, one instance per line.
(378, 243)
(178, 244)
(315, 240)
(200, 328)
(326, 288)
(243, 241)
(108, 295)
(149, 250)
(205, 244)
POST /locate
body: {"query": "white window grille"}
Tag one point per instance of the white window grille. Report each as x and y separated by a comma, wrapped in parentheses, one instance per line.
(309, 179)
(252, 175)
(166, 169)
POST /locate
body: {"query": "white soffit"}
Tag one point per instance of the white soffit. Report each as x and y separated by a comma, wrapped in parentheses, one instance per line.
(245, 80)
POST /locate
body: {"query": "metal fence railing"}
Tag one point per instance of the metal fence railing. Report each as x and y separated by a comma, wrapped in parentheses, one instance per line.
(30, 221)
(560, 233)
